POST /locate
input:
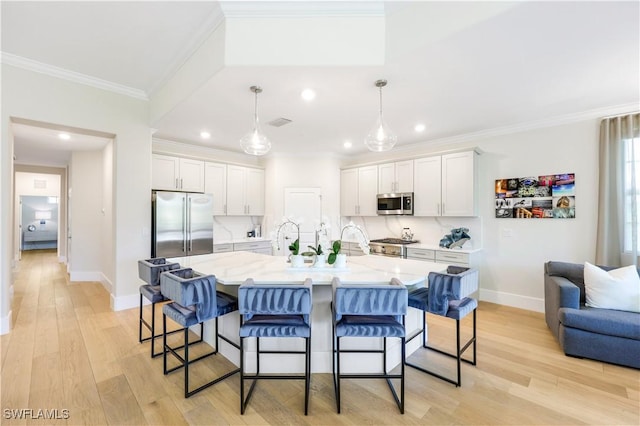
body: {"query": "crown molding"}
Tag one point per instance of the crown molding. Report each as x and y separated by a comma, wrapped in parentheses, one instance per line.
(302, 9)
(202, 33)
(531, 125)
(76, 77)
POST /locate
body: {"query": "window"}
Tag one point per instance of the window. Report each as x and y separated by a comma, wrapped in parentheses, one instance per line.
(631, 193)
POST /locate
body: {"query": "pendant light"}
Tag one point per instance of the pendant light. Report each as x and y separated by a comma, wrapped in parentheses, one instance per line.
(255, 142)
(380, 138)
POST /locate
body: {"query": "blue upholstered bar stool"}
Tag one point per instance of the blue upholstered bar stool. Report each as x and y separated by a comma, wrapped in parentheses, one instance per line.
(446, 296)
(274, 310)
(194, 300)
(369, 311)
(149, 271)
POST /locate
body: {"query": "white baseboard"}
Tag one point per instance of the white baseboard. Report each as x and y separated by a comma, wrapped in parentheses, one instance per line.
(85, 276)
(125, 302)
(106, 283)
(513, 300)
(5, 323)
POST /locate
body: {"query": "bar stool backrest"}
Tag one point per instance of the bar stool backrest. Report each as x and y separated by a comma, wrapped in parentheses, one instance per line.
(275, 299)
(370, 299)
(149, 270)
(187, 287)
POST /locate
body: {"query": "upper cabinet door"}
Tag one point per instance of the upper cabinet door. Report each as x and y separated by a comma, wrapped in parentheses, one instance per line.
(236, 189)
(255, 192)
(404, 176)
(427, 184)
(215, 183)
(177, 174)
(165, 172)
(349, 192)
(368, 191)
(191, 175)
(459, 184)
(386, 178)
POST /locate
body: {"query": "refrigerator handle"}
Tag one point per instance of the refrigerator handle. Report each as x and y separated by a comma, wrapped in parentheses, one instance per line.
(189, 224)
(184, 229)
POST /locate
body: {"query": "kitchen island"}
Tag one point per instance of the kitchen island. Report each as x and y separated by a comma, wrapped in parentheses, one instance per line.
(232, 269)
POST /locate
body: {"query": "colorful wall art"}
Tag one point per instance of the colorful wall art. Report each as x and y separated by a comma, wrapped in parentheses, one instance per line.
(542, 197)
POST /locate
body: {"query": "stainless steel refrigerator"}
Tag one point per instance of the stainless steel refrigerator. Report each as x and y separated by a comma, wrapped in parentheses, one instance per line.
(182, 224)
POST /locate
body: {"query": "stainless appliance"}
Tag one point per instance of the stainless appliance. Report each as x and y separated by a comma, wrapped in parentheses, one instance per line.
(398, 204)
(394, 247)
(182, 224)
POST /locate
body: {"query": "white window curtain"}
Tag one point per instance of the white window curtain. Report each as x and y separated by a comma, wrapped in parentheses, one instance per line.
(619, 191)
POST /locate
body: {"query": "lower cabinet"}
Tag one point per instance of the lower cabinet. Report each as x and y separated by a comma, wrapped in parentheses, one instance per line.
(444, 256)
(263, 247)
(351, 249)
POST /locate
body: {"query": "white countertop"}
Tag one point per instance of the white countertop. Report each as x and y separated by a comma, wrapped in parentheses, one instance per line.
(235, 267)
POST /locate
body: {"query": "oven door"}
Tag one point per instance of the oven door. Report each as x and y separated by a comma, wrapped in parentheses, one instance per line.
(390, 204)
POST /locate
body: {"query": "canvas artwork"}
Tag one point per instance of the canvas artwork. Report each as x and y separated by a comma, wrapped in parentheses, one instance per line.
(536, 197)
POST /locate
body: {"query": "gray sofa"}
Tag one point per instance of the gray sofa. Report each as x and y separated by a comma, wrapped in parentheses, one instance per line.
(601, 334)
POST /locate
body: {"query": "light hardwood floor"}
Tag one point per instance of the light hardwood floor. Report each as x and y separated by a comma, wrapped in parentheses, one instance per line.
(69, 351)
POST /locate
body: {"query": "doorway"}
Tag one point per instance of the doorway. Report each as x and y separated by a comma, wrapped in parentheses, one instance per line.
(304, 204)
(39, 222)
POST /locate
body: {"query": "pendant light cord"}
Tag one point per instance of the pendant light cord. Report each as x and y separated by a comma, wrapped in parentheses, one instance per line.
(255, 110)
(380, 101)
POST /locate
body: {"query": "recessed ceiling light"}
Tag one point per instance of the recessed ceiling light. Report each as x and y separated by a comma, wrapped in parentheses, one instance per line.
(64, 136)
(205, 135)
(347, 144)
(420, 127)
(308, 94)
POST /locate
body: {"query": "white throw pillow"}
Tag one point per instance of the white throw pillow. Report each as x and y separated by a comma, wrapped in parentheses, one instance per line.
(617, 289)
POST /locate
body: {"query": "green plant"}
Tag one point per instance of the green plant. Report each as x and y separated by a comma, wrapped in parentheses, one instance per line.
(316, 250)
(295, 247)
(335, 250)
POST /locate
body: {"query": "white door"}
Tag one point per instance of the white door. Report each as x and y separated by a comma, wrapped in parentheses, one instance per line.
(305, 204)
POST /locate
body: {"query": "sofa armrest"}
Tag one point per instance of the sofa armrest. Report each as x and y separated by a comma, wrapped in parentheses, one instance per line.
(559, 292)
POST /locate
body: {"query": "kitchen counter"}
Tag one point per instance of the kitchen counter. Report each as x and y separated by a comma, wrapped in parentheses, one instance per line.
(233, 268)
(240, 240)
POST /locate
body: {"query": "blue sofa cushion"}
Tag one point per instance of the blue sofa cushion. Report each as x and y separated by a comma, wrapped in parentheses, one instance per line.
(602, 321)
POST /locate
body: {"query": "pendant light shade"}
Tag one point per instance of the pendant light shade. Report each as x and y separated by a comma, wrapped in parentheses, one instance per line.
(255, 142)
(380, 138)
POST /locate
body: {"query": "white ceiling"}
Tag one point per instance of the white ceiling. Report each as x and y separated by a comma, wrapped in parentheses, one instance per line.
(457, 67)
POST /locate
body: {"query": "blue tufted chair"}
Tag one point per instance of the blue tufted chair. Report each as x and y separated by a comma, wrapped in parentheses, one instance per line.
(369, 311)
(446, 296)
(274, 310)
(149, 271)
(194, 300)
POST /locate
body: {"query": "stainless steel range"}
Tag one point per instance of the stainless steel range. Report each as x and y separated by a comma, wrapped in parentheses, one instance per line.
(395, 247)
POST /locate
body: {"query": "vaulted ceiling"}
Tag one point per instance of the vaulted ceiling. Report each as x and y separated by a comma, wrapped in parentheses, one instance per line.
(456, 67)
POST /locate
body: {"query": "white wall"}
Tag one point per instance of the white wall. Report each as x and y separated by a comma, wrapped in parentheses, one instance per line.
(35, 96)
(513, 266)
(301, 171)
(86, 216)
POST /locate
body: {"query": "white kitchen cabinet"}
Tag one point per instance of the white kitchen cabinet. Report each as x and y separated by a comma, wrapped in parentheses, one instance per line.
(263, 247)
(445, 185)
(215, 183)
(395, 177)
(170, 173)
(351, 249)
(467, 258)
(358, 191)
(245, 191)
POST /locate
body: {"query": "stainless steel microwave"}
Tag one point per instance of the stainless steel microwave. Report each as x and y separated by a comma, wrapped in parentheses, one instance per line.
(399, 204)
